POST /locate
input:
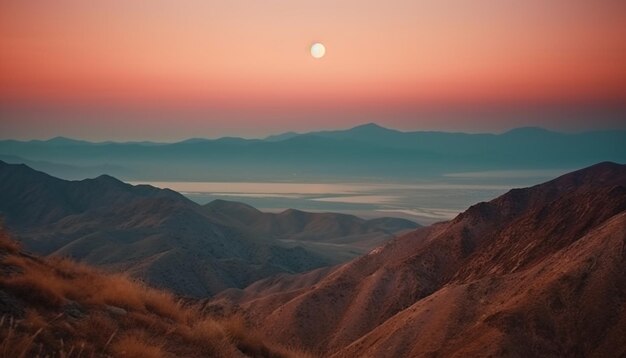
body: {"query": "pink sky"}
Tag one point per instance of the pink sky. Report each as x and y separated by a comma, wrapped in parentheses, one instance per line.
(112, 69)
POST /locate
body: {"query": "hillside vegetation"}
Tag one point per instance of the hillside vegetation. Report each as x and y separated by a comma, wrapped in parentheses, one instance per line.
(54, 307)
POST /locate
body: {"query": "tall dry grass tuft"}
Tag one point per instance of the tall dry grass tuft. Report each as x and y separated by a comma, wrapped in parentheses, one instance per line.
(54, 282)
(137, 345)
(14, 342)
(164, 304)
(207, 337)
(96, 328)
(37, 287)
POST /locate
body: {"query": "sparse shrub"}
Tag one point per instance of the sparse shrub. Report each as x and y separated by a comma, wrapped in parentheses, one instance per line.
(117, 290)
(208, 329)
(163, 303)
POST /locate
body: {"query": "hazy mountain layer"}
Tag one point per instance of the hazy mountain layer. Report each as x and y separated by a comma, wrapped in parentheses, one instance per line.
(367, 152)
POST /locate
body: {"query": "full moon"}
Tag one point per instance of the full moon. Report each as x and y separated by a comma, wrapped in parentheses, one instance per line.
(318, 50)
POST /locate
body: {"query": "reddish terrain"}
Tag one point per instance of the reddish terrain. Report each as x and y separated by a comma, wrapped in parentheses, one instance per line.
(536, 272)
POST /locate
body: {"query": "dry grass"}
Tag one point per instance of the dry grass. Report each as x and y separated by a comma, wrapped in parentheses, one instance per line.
(6, 244)
(14, 342)
(33, 319)
(97, 328)
(34, 285)
(254, 344)
(55, 281)
(137, 345)
(73, 310)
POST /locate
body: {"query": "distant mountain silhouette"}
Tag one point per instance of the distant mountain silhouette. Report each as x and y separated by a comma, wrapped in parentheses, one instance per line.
(369, 151)
(536, 272)
(300, 225)
(161, 236)
(336, 236)
(66, 170)
(282, 136)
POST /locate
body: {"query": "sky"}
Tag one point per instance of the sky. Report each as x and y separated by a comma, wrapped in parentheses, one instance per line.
(168, 70)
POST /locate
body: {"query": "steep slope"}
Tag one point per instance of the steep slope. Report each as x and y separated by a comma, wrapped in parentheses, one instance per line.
(538, 271)
(155, 234)
(32, 198)
(55, 307)
(571, 304)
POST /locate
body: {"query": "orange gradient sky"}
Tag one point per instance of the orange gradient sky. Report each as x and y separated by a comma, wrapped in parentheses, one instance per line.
(112, 69)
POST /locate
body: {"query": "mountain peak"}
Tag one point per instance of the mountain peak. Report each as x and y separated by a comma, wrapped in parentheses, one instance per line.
(281, 136)
(601, 174)
(598, 176)
(370, 126)
(105, 178)
(294, 213)
(194, 140)
(221, 204)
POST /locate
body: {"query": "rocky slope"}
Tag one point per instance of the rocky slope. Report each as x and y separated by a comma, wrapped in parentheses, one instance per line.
(536, 272)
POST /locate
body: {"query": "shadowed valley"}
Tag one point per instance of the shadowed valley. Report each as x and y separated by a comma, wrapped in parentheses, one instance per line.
(172, 242)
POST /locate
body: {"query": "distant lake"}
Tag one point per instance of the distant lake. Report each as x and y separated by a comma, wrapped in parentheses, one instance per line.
(423, 202)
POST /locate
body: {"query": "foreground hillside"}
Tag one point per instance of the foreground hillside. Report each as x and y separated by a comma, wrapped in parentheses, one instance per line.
(170, 241)
(57, 308)
(536, 272)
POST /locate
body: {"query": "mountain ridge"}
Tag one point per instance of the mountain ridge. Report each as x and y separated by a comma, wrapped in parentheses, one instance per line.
(370, 126)
(511, 248)
(367, 151)
(165, 238)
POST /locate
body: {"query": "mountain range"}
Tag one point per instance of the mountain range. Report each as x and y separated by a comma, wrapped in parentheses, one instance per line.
(171, 242)
(365, 152)
(536, 272)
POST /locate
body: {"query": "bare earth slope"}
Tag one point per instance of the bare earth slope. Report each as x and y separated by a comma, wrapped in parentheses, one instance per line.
(536, 272)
